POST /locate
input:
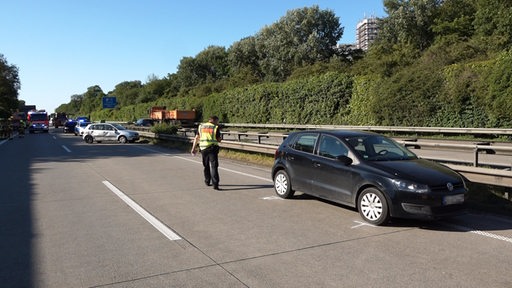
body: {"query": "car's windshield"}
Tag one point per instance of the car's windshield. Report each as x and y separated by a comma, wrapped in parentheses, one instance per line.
(38, 117)
(118, 126)
(379, 148)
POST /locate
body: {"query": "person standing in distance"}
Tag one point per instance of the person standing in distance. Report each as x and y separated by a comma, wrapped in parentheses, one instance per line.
(209, 137)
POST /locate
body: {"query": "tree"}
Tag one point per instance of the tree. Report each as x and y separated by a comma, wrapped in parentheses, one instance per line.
(244, 62)
(208, 66)
(152, 90)
(127, 92)
(409, 22)
(9, 87)
(92, 100)
(455, 18)
(493, 23)
(302, 37)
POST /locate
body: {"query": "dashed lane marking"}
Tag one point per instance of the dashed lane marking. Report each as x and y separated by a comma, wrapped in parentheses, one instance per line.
(479, 232)
(272, 198)
(146, 215)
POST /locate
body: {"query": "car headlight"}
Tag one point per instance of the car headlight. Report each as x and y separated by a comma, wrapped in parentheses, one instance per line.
(408, 186)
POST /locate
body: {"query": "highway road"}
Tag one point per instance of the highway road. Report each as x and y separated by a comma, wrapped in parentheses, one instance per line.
(136, 215)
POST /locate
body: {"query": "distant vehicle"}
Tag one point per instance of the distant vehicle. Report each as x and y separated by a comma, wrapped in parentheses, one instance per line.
(368, 171)
(59, 119)
(38, 121)
(182, 117)
(98, 132)
(69, 126)
(145, 122)
(80, 127)
(82, 119)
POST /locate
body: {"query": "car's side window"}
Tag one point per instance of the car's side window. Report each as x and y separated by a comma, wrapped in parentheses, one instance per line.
(305, 143)
(358, 145)
(108, 127)
(331, 147)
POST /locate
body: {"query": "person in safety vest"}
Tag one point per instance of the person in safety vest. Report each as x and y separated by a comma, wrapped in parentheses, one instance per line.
(208, 138)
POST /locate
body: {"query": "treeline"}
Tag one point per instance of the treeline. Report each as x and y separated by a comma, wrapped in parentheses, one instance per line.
(9, 87)
(435, 63)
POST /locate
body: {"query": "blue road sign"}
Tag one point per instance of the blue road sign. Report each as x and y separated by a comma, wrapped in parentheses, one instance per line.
(109, 102)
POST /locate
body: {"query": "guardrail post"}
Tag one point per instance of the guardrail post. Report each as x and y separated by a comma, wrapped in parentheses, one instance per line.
(475, 163)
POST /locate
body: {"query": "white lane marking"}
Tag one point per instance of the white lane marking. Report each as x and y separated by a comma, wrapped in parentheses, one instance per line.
(272, 198)
(226, 169)
(66, 148)
(191, 159)
(150, 218)
(360, 224)
(481, 233)
(458, 227)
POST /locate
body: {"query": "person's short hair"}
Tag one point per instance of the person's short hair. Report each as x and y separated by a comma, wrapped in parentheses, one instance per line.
(213, 118)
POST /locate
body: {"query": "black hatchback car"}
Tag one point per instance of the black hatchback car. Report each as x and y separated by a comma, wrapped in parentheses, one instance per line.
(69, 126)
(368, 171)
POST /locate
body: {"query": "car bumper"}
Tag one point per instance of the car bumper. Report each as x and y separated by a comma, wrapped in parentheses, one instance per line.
(430, 206)
(34, 128)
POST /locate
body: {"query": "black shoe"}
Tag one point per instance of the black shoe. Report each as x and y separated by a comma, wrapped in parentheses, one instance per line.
(216, 188)
(207, 183)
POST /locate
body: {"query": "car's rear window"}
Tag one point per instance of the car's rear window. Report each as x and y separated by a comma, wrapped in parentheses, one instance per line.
(305, 143)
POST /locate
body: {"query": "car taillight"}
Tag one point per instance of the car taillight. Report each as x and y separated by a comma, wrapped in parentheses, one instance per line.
(276, 154)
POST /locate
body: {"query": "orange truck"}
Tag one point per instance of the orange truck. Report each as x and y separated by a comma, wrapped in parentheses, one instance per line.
(183, 117)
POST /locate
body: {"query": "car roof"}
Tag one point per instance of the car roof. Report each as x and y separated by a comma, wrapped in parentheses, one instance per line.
(337, 132)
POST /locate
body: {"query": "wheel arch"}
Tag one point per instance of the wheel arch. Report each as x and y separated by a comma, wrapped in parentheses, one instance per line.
(378, 187)
(277, 169)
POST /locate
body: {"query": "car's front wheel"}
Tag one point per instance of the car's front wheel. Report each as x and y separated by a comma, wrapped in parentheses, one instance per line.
(88, 139)
(282, 185)
(123, 139)
(373, 207)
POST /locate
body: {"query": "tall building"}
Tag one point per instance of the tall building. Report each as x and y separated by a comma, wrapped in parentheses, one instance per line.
(366, 32)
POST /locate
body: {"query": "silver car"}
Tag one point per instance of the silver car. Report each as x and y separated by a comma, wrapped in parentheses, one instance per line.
(98, 132)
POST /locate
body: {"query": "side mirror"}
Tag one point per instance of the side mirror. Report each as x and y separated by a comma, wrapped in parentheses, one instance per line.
(344, 159)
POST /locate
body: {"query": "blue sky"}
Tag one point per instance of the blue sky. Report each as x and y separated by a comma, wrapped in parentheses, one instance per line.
(62, 47)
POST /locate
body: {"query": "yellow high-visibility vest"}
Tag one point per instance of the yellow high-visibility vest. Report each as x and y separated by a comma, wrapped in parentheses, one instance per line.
(207, 135)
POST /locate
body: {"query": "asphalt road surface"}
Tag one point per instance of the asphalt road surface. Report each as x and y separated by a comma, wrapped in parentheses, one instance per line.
(135, 215)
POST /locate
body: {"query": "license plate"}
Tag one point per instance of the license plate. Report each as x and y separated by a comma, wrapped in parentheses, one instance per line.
(453, 199)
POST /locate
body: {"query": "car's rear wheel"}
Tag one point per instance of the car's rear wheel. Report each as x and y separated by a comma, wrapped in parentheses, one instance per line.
(282, 185)
(88, 139)
(123, 139)
(373, 207)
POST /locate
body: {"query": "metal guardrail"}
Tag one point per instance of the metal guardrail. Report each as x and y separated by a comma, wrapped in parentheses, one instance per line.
(476, 148)
(440, 130)
(475, 174)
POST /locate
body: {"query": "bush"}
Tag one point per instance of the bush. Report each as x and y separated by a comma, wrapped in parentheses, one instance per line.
(165, 128)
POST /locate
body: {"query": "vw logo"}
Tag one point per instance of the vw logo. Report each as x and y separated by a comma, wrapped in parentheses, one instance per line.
(449, 186)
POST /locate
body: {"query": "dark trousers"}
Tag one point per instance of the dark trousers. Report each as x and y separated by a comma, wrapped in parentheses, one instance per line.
(211, 165)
